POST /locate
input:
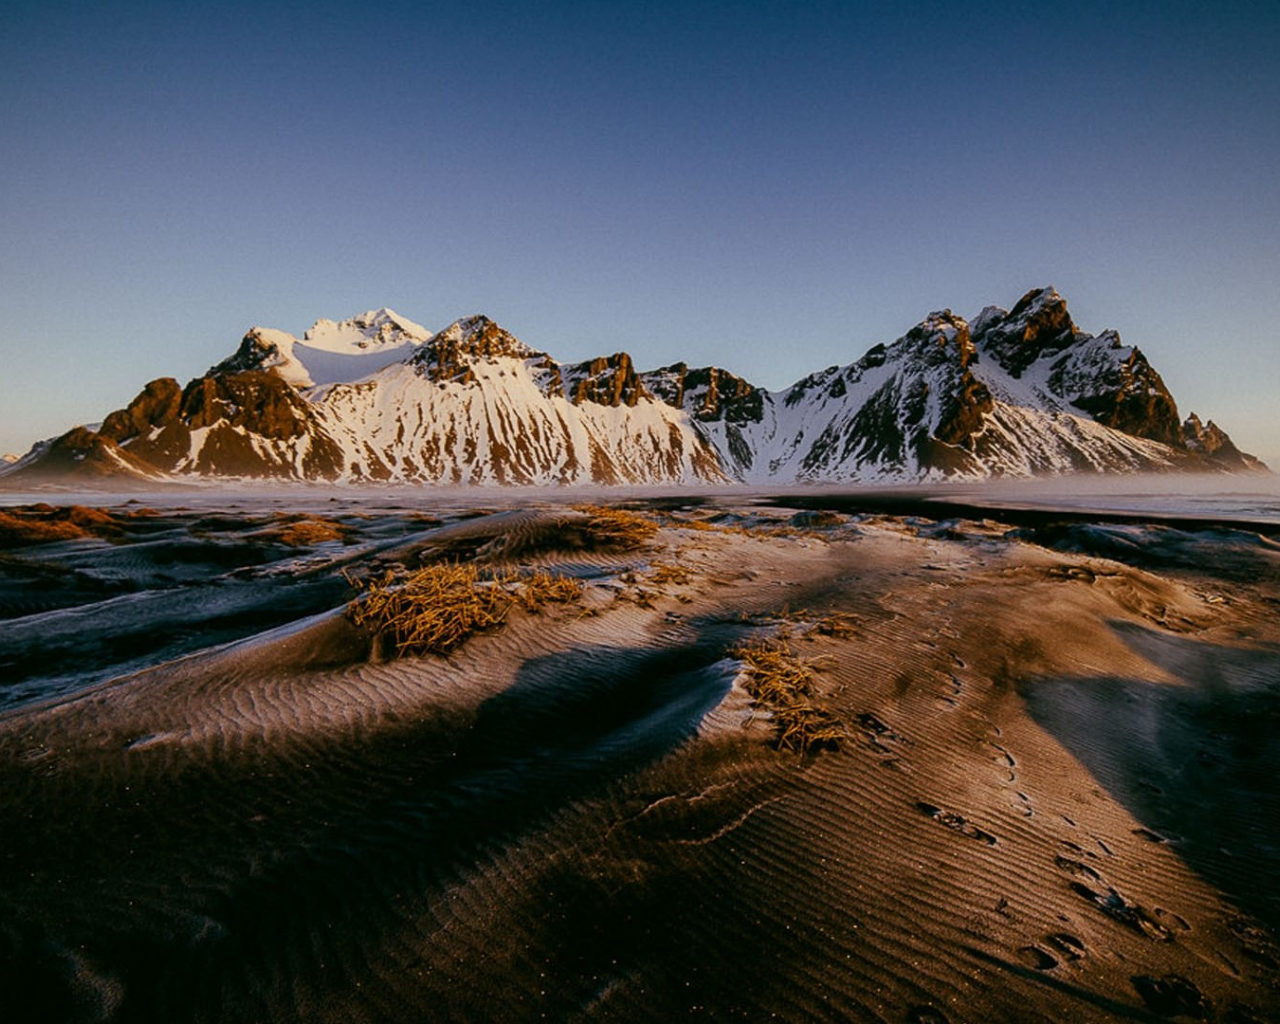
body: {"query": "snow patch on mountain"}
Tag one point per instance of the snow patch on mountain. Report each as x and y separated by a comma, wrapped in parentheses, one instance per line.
(330, 351)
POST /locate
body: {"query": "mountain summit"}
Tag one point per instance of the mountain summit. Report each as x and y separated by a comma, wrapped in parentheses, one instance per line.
(1017, 393)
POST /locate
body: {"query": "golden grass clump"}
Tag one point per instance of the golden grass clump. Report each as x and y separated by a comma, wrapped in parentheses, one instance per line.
(782, 684)
(16, 530)
(838, 625)
(304, 530)
(542, 588)
(834, 624)
(667, 572)
(433, 610)
(616, 527)
(696, 524)
(759, 531)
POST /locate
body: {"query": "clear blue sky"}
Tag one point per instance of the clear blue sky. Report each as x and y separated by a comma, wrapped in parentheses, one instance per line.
(768, 187)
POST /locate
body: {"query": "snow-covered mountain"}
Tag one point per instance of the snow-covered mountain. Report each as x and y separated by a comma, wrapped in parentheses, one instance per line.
(1019, 392)
(378, 397)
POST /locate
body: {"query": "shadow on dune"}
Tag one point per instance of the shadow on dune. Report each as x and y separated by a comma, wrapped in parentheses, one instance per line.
(1195, 763)
(248, 882)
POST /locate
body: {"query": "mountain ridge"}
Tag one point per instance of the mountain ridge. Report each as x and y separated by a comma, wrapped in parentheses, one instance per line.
(1013, 393)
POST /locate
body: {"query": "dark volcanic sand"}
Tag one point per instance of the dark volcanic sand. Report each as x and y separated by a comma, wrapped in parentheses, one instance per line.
(1056, 800)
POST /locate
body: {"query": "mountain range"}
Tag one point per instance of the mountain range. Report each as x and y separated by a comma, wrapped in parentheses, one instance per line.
(1014, 393)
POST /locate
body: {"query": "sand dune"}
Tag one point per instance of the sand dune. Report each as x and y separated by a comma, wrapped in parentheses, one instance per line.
(1055, 799)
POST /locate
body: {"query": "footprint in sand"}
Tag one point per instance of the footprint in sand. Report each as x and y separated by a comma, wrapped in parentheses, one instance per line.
(1120, 909)
(951, 700)
(1255, 943)
(1067, 945)
(876, 731)
(1073, 863)
(1040, 959)
(956, 822)
(1177, 918)
(1172, 995)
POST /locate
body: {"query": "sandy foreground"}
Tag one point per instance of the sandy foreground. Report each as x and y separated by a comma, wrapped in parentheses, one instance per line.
(1056, 795)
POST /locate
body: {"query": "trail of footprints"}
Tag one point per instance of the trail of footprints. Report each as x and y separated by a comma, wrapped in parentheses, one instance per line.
(1166, 995)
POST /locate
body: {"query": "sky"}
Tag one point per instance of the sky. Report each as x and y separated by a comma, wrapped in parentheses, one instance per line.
(768, 187)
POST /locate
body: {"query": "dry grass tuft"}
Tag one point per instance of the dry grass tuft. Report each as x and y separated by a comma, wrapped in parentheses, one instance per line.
(433, 610)
(837, 625)
(542, 588)
(616, 527)
(298, 530)
(306, 532)
(43, 523)
(782, 684)
(17, 529)
(696, 524)
(758, 531)
(666, 572)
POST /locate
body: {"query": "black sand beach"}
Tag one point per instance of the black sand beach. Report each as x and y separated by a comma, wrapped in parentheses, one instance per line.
(1053, 796)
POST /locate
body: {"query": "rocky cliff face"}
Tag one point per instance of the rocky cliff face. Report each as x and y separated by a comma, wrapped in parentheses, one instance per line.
(1017, 392)
(451, 354)
(1211, 441)
(1115, 385)
(249, 423)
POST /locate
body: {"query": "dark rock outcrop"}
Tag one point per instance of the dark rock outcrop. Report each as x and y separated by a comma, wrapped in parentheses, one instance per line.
(1211, 441)
(254, 353)
(606, 380)
(707, 393)
(1132, 398)
(1116, 385)
(449, 354)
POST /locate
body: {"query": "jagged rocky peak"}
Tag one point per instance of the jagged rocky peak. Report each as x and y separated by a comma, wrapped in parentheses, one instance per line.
(235, 412)
(449, 354)
(157, 404)
(261, 348)
(942, 337)
(1201, 437)
(707, 393)
(1038, 324)
(605, 380)
(1125, 393)
(1038, 342)
(1211, 441)
(480, 337)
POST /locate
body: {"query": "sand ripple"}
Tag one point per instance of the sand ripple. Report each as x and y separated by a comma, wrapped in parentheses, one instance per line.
(1053, 801)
